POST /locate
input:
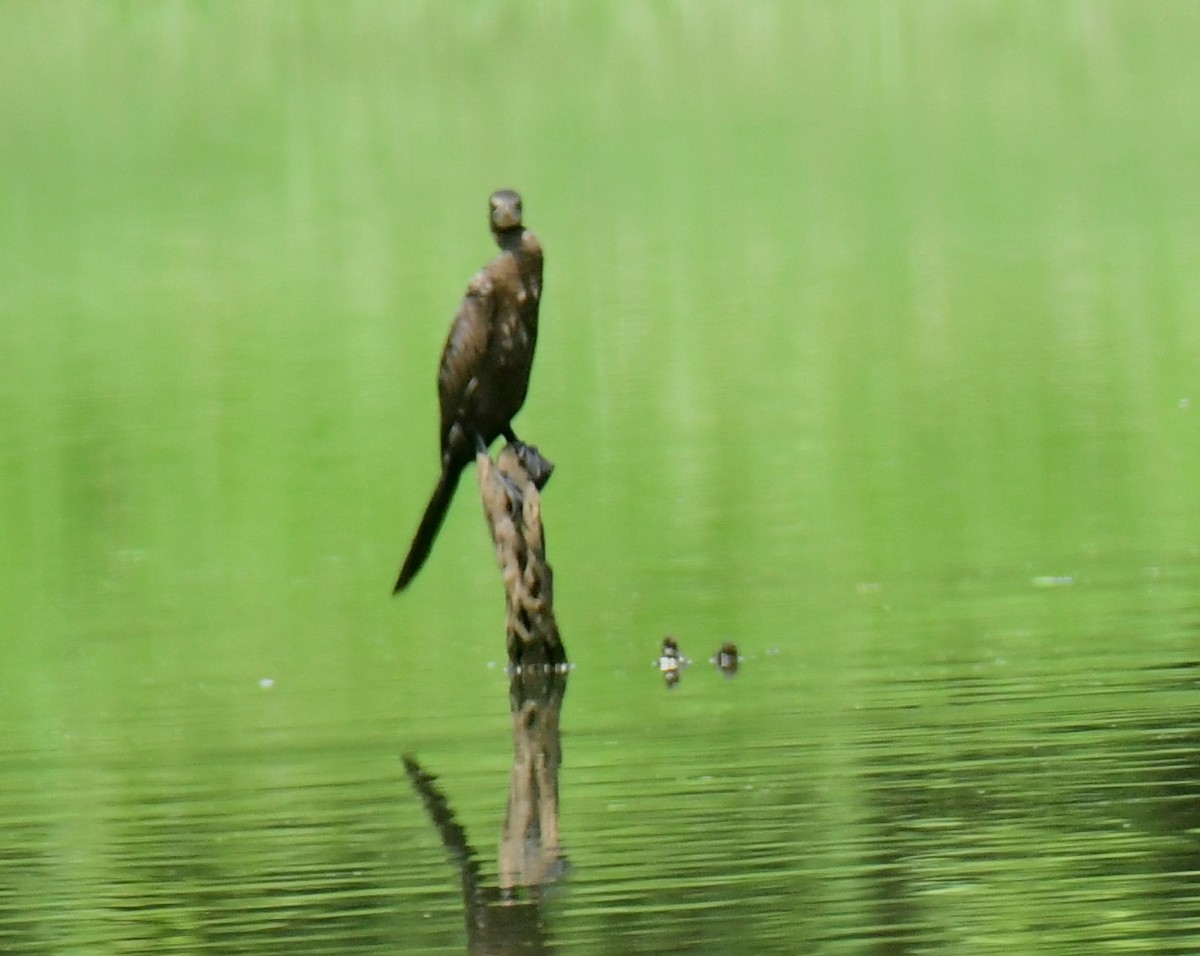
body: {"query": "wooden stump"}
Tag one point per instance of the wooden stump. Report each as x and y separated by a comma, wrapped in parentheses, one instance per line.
(510, 488)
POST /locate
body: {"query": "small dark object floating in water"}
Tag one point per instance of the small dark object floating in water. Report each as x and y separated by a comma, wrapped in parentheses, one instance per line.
(671, 658)
(671, 661)
(727, 659)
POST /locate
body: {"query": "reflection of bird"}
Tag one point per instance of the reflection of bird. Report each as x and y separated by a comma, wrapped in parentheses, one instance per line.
(486, 362)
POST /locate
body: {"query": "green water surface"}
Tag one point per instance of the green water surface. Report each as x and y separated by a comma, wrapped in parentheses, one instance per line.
(870, 341)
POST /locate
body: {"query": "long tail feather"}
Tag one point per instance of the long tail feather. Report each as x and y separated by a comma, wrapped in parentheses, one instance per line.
(431, 523)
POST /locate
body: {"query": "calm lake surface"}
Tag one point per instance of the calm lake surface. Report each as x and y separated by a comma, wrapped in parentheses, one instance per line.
(870, 341)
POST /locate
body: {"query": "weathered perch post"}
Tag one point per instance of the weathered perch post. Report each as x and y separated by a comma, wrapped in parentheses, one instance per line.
(510, 488)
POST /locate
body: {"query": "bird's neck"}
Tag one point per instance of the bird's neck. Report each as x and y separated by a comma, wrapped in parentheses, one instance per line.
(509, 240)
(525, 249)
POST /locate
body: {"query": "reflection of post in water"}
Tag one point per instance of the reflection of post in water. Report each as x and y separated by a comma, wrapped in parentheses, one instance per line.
(500, 920)
(529, 849)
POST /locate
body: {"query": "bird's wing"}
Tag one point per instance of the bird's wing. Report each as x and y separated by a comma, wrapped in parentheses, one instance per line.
(466, 345)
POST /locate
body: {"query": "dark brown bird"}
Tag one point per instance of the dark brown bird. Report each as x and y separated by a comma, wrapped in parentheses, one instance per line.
(486, 362)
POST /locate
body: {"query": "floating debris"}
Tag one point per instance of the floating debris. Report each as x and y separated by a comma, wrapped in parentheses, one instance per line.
(727, 659)
(671, 658)
(671, 661)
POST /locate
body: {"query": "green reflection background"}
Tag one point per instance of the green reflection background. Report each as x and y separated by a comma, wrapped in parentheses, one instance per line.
(860, 322)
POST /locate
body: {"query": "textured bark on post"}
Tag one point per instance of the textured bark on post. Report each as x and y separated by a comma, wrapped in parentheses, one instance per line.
(510, 491)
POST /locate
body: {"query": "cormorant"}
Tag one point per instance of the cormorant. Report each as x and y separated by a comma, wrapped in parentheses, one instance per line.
(485, 367)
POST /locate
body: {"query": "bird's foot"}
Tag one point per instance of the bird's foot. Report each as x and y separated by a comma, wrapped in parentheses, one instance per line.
(540, 468)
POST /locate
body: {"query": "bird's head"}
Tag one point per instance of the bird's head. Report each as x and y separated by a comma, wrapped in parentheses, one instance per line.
(505, 210)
